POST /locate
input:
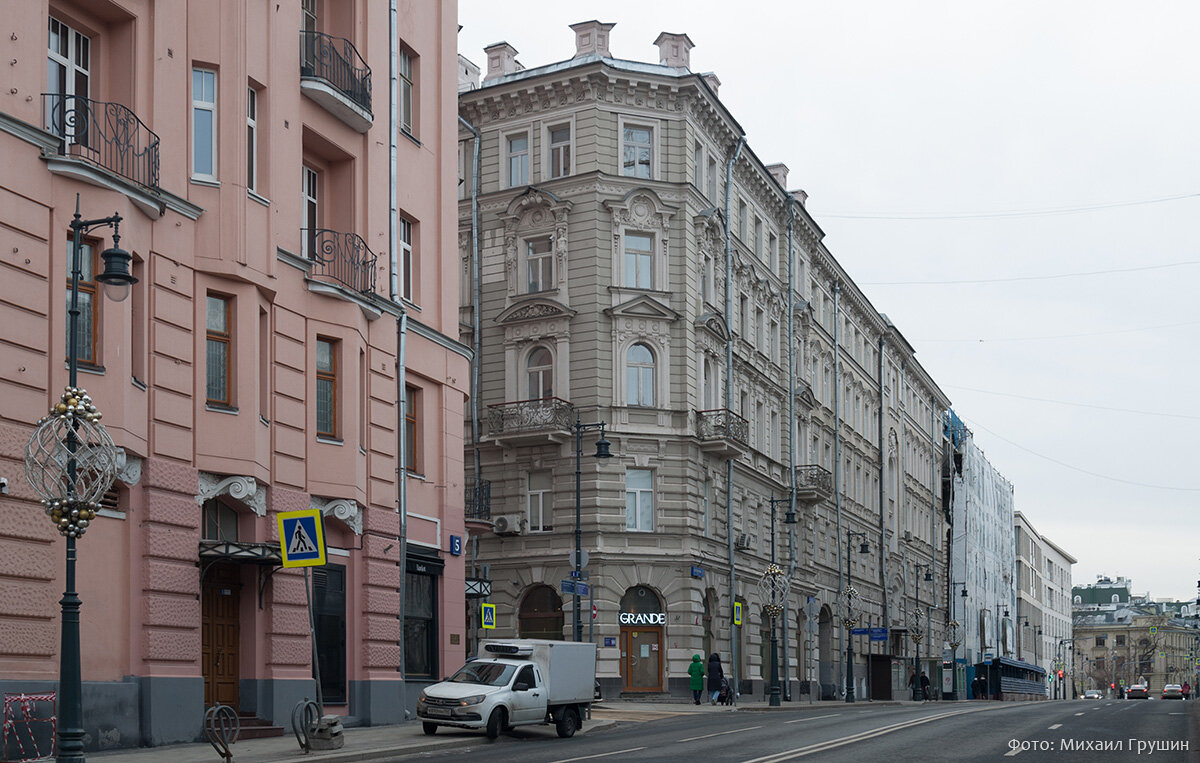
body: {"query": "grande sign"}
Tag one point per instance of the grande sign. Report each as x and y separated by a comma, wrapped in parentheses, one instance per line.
(643, 618)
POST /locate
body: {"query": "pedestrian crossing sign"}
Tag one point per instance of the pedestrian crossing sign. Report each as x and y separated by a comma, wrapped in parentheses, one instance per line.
(302, 538)
(737, 613)
(489, 615)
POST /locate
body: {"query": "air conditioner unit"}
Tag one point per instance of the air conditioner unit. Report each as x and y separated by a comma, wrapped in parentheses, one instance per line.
(907, 535)
(742, 541)
(509, 524)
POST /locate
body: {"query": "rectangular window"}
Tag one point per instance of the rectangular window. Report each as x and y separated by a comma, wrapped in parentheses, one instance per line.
(406, 92)
(639, 500)
(538, 502)
(406, 259)
(251, 138)
(560, 151)
(705, 506)
(638, 151)
(264, 365)
(327, 388)
(310, 185)
(420, 626)
(518, 159)
(138, 324)
(639, 260)
(698, 165)
(220, 339)
(1100, 641)
(773, 251)
(758, 237)
(68, 73)
(89, 305)
(411, 445)
(741, 223)
(758, 330)
(539, 263)
(712, 179)
(329, 616)
(204, 123)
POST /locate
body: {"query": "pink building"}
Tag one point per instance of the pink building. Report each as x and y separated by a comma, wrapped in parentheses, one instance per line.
(254, 368)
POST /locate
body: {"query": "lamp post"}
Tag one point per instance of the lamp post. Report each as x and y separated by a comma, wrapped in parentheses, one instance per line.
(862, 549)
(915, 624)
(959, 634)
(71, 461)
(778, 584)
(849, 603)
(954, 636)
(601, 452)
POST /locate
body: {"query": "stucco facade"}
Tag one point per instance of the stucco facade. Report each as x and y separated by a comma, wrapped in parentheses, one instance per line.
(602, 290)
(254, 367)
(1043, 604)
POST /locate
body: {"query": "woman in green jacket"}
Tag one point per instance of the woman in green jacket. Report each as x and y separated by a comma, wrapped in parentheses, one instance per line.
(696, 671)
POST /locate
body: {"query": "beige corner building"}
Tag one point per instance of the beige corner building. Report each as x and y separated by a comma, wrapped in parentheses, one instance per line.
(628, 260)
(1043, 625)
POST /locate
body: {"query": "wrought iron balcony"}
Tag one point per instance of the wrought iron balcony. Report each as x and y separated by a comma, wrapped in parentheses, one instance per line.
(531, 422)
(813, 483)
(479, 501)
(722, 432)
(108, 135)
(344, 257)
(336, 62)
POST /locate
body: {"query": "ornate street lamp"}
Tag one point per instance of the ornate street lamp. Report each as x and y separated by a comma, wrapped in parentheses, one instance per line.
(862, 549)
(850, 604)
(954, 636)
(914, 623)
(602, 451)
(71, 462)
(773, 588)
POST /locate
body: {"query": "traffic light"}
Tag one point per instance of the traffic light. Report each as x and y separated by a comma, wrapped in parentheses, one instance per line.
(1060, 675)
(1112, 686)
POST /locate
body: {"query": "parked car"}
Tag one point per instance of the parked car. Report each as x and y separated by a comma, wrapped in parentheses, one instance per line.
(1138, 691)
(1172, 691)
(1093, 694)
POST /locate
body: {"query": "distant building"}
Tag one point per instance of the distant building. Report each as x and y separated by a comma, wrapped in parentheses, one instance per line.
(1043, 622)
(1105, 593)
(1127, 644)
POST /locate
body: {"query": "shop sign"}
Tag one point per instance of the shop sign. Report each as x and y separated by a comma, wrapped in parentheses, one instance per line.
(643, 618)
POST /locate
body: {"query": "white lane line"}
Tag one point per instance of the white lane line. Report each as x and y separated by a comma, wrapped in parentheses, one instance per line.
(720, 733)
(1013, 752)
(1078, 714)
(817, 718)
(1056, 726)
(600, 755)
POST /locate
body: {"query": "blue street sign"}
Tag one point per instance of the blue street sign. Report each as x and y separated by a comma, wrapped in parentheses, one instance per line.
(456, 545)
(859, 631)
(575, 574)
(879, 634)
(567, 586)
(610, 640)
(697, 572)
(581, 589)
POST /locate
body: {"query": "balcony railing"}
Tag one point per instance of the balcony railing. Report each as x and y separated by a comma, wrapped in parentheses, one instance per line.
(479, 500)
(108, 135)
(344, 257)
(813, 483)
(549, 414)
(722, 424)
(336, 60)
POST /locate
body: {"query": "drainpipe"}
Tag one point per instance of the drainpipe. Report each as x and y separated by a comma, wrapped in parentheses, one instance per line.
(791, 327)
(837, 450)
(933, 538)
(476, 329)
(733, 640)
(887, 621)
(402, 491)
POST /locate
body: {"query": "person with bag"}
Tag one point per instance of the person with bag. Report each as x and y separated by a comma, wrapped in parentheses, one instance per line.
(696, 678)
(715, 674)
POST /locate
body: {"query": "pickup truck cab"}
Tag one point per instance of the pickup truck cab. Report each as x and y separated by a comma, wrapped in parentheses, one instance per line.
(513, 683)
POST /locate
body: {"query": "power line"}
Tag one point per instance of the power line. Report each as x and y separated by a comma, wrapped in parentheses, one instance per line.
(977, 425)
(1077, 405)
(1016, 212)
(1068, 336)
(1081, 274)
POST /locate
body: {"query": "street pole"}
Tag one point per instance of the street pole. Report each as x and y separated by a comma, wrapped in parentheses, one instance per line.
(602, 451)
(849, 638)
(775, 690)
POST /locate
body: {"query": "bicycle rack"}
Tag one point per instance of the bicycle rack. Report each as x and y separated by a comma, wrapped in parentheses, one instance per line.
(304, 718)
(222, 727)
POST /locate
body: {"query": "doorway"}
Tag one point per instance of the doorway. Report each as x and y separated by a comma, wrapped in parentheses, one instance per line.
(641, 658)
(220, 635)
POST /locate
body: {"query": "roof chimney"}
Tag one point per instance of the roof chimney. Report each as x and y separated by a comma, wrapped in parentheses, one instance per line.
(501, 60)
(710, 79)
(591, 37)
(779, 172)
(674, 50)
(801, 196)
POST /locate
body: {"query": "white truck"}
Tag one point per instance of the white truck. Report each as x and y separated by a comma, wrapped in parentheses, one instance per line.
(514, 682)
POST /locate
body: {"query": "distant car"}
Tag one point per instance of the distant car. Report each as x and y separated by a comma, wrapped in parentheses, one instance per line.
(1172, 691)
(1138, 691)
(1093, 694)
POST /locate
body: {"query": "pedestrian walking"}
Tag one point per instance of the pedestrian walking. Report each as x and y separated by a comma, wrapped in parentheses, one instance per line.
(1187, 689)
(696, 681)
(913, 683)
(715, 674)
(924, 687)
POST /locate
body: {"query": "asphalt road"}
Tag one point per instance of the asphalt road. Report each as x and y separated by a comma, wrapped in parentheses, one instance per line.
(1069, 730)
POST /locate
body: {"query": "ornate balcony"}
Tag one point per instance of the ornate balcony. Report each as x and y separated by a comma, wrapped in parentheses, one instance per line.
(722, 432)
(342, 257)
(478, 507)
(813, 484)
(531, 422)
(107, 135)
(333, 74)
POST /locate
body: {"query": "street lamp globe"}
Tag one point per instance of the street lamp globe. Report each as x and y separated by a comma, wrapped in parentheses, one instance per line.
(116, 277)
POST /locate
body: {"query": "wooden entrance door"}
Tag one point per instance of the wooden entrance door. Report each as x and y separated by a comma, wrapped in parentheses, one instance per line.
(641, 658)
(220, 634)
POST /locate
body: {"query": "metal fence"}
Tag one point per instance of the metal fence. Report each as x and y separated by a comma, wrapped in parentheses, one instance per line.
(344, 257)
(106, 134)
(336, 60)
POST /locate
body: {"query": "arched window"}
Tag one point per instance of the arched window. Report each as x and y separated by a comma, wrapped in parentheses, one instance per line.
(641, 599)
(540, 368)
(639, 375)
(541, 614)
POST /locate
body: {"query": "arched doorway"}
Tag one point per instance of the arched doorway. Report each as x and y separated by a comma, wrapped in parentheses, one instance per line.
(710, 638)
(541, 615)
(642, 619)
(825, 647)
(802, 646)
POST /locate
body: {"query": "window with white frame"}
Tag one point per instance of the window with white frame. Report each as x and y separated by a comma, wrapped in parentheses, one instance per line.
(539, 264)
(68, 73)
(639, 260)
(773, 251)
(712, 178)
(310, 199)
(405, 259)
(639, 500)
(204, 123)
(639, 375)
(758, 330)
(251, 138)
(539, 503)
(406, 92)
(758, 237)
(698, 165)
(517, 152)
(539, 374)
(741, 224)
(637, 151)
(559, 140)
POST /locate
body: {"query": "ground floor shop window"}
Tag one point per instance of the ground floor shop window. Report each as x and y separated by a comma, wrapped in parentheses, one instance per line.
(420, 626)
(329, 613)
(541, 614)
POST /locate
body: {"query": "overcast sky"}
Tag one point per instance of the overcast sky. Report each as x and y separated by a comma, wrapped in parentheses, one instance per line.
(957, 112)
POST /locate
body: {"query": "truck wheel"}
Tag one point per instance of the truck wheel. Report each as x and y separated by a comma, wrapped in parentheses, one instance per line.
(567, 723)
(496, 722)
(429, 728)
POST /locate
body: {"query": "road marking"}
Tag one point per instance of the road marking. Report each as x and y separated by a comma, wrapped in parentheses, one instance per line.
(1078, 714)
(1176, 713)
(1056, 726)
(720, 733)
(819, 717)
(1010, 753)
(600, 755)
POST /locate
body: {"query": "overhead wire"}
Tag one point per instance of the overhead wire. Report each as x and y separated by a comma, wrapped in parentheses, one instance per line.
(1014, 212)
(1068, 336)
(1077, 405)
(1081, 274)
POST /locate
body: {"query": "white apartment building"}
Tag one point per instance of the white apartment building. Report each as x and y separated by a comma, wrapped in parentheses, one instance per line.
(1043, 622)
